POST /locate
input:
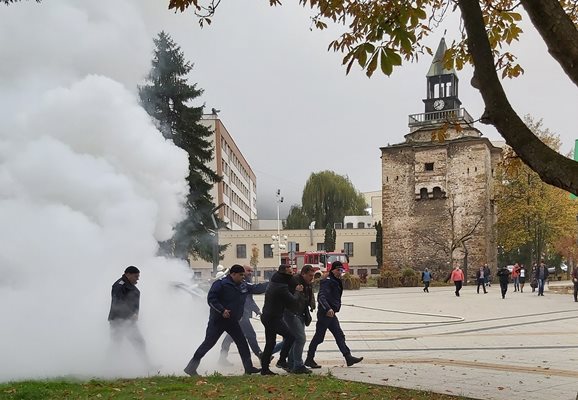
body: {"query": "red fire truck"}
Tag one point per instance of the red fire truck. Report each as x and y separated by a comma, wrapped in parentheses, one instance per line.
(321, 260)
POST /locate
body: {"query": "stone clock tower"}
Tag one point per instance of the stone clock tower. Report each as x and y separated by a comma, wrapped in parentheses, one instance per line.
(438, 185)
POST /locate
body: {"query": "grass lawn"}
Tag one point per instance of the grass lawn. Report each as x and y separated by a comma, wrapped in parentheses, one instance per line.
(211, 387)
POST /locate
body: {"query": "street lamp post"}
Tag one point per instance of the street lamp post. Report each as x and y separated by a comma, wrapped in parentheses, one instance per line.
(277, 238)
(216, 239)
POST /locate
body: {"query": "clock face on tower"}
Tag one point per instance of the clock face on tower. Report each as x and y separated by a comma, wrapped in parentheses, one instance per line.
(439, 104)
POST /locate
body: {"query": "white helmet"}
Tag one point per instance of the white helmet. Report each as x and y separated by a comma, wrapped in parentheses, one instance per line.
(221, 274)
(220, 268)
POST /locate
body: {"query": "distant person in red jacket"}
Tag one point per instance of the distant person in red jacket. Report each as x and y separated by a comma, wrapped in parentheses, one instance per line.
(457, 277)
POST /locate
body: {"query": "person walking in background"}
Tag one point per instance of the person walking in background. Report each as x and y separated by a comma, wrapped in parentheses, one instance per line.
(481, 280)
(504, 277)
(516, 277)
(522, 277)
(245, 322)
(457, 277)
(226, 300)
(487, 277)
(541, 276)
(574, 277)
(426, 278)
(329, 304)
(123, 314)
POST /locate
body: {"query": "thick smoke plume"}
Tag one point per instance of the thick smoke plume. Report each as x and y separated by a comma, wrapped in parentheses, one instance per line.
(87, 186)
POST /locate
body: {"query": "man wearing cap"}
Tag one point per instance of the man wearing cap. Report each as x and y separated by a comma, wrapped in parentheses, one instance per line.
(245, 323)
(226, 300)
(124, 309)
(329, 304)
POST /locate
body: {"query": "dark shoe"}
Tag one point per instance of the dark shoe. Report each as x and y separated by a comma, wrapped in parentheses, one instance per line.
(302, 370)
(311, 363)
(352, 360)
(283, 365)
(191, 368)
(267, 371)
(252, 370)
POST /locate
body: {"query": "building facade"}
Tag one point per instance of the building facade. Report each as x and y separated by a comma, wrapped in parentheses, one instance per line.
(358, 243)
(438, 185)
(238, 189)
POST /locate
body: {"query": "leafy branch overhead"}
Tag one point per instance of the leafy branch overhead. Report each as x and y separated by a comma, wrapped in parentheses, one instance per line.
(380, 33)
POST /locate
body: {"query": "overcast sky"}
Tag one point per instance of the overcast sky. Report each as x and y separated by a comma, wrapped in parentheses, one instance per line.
(287, 101)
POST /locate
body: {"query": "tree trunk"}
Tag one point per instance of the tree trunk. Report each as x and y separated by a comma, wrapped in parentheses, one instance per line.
(558, 32)
(553, 168)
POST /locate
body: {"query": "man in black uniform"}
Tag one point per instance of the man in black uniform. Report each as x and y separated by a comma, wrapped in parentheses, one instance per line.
(124, 308)
(245, 323)
(277, 298)
(226, 299)
(329, 300)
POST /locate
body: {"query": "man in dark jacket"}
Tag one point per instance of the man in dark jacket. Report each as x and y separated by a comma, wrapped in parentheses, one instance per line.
(329, 300)
(124, 309)
(226, 300)
(504, 277)
(245, 323)
(277, 298)
(297, 316)
(542, 277)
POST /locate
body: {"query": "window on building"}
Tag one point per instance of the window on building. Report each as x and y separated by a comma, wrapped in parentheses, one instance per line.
(337, 225)
(429, 166)
(349, 225)
(423, 193)
(320, 246)
(267, 251)
(374, 271)
(197, 275)
(241, 251)
(437, 193)
(362, 271)
(360, 225)
(373, 249)
(348, 248)
(297, 246)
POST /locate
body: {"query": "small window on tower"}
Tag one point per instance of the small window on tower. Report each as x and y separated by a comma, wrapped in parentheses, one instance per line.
(429, 166)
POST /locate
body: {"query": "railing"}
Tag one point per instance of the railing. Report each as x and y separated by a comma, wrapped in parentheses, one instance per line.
(455, 115)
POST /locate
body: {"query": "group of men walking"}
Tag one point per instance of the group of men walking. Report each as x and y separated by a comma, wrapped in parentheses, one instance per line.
(289, 301)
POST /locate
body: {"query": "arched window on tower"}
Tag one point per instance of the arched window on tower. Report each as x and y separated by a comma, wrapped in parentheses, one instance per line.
(437, 193)
(423, 194)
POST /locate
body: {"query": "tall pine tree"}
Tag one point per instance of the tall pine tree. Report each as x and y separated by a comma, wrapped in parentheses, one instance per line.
(167, 97)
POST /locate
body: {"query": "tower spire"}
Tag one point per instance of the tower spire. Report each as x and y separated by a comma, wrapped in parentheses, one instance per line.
(437, 65)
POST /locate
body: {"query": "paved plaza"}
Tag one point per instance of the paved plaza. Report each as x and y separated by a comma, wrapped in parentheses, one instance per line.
(476, 345)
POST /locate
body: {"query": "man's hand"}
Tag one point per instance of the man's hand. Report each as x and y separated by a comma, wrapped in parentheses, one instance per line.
(227, 314)
(299, 288)
(330, 314)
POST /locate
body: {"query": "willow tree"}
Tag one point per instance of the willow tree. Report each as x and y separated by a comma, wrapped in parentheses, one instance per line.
(532, 216)
(327, 198)
(384, 33)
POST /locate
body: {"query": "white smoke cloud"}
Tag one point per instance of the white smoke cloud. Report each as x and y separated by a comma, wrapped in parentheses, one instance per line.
(87, 187)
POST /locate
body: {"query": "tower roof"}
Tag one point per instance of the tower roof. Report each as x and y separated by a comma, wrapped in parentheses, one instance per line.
(437, 65)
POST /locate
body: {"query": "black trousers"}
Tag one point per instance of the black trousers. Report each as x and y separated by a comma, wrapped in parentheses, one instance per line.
(215, 329)
(426, 286)
(481, 283)
(323, 324)
(250, 335)
(576, 291)
(458, 287)
(275, 326)
(504, 288)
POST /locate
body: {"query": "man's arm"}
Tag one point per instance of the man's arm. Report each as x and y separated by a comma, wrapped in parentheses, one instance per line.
(213, 297)
(258, 288)
(322, 295)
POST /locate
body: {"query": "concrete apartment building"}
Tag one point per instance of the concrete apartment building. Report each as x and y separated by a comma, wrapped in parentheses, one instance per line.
(238, 190)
